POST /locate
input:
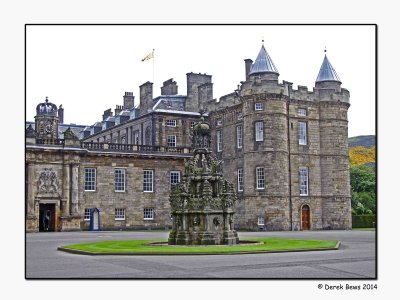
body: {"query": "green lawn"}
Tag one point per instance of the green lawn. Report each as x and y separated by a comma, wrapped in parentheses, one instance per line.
(139, 247)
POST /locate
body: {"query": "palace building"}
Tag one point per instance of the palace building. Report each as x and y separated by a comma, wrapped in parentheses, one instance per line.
(284, 149)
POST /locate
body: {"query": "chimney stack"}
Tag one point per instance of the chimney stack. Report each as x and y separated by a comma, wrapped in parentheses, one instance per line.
(61, 114)
(247, 63)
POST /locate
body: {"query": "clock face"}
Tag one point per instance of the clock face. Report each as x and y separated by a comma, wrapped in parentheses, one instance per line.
(49, 127)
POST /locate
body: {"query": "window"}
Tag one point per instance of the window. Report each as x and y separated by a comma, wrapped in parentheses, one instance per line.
(171, 141)
(302, 133)
(90, 179)
(219, 122)
(175, 177)
(261, 221)
(136, 138)
(240, 180)
(148, 213)
(192, 123)
(219, 141)
(120, 214)
(119, 180)
(302, 112)
(239, 137)
(259, 106)
(259, 128)
(303, 173)
(171, 123)
(260, 179)
(86, 215)
(148, 181)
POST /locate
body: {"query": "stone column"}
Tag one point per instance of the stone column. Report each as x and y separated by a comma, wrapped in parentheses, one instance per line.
(30, 201)
(74, 190)
(66, 190)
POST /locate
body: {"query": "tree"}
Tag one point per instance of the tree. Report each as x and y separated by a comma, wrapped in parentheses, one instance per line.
(363, 190)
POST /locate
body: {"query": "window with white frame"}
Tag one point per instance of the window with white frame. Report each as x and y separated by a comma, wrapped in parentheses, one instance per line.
(260, 221)
(260, 178)
(302, 112)
(171, 141)
(303, 173)
(120, 214)
(240, 184)
(175, 177)
(119, 180)
(259, 106)
(259, 129)
(219, 141)
(90, 179)
(148, 180)
(239, 137)
(148, 213)
(86, 215)
(302, 133)
(171, 123)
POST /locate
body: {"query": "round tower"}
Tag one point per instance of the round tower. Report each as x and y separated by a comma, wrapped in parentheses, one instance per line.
(334, 157)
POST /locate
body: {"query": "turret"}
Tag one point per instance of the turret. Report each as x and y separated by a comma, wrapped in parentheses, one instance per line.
(263, 67)
(327, 77)
(46, 120)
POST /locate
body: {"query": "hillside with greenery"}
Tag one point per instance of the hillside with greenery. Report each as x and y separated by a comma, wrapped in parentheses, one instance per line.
(362, 140)
(362, 153)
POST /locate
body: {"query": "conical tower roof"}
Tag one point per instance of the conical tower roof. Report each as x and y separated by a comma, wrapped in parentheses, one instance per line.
(263, 63)
(327, 72)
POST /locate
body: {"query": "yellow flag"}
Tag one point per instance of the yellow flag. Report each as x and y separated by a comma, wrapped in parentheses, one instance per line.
(150, 56)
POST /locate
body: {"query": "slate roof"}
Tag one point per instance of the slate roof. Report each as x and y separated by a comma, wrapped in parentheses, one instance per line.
(327, 72)
(263, 63)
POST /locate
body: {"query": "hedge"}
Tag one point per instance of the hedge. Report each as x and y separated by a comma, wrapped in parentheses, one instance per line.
(364, 221)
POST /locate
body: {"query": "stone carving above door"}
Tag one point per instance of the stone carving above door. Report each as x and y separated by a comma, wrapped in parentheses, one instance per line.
(48, 182)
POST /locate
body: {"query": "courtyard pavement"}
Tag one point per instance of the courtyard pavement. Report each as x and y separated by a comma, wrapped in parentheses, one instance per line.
(354, 259)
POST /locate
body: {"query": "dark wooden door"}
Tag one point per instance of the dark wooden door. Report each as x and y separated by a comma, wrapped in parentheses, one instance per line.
(305, 217)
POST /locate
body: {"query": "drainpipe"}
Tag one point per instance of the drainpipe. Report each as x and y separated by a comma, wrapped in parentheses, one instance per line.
(289, 156)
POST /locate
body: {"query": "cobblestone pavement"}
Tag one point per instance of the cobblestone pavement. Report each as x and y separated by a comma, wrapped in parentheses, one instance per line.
(355, 258)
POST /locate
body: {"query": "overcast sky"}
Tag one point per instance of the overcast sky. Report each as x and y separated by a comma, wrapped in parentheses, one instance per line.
(88, 69)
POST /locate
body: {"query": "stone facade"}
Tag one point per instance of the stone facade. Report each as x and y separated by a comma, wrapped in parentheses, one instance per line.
(66, 193)
(287, 147)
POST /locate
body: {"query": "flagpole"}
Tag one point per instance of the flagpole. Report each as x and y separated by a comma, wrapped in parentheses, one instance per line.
(153, 66)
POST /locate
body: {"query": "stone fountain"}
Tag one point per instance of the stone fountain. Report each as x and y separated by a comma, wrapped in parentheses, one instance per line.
(202, 204)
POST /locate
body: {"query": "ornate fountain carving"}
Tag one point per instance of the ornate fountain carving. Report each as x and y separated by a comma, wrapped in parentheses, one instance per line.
(202, 204)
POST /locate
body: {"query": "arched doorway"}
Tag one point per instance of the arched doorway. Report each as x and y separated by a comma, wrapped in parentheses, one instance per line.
(305, 217)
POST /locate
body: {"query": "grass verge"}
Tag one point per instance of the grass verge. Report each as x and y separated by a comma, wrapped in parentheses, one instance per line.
(139, 247)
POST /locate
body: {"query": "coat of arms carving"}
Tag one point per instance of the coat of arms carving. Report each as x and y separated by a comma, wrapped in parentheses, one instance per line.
(48, 182)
